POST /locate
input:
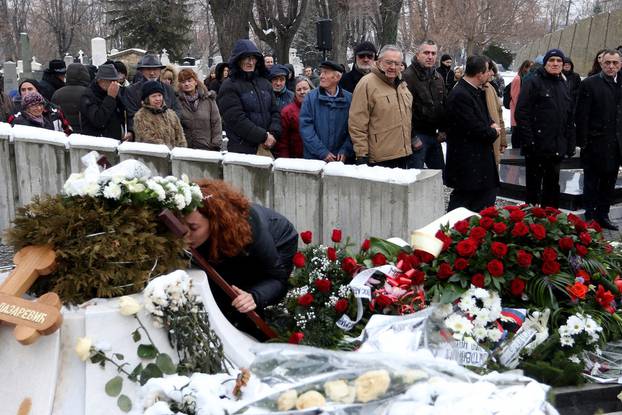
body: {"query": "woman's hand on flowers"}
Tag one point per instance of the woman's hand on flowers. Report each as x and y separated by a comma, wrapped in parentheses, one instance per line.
(244, 302)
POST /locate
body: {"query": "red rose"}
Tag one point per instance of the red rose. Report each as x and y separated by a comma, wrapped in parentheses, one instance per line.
(423, 256)
(552, 219)
(549, 254)
(299, 260)
(341, 306)
(460, 264)
(336, 236)
(403, 261)
(490, 212)
(552, 211)
(477, 233)
(499, 249)
(577, 290)
(523, 258)
(566, 243)
(585, 238)
(418, 277)
(323, 285)
(305, 300)
(499, 228)
(462, 226)
(550, 267)
(331, 253)
(414, 260)
(349, 265)
(580, 226)
(466, 248)
(478, 280)
(495, 267)
(608, 248)
(583, 275)
(510, 208)
(538, 212)
(366, 244)
(517, 286)
(605, 298)
(384, 300)
(581, 250)
(520, 229)
(378, 259)
(618, 283)
(538, 231)
(446, 239)
(444, 271)
(517, 215)
(296, 337)
(486, 222)
(306, 236)
(594, 225)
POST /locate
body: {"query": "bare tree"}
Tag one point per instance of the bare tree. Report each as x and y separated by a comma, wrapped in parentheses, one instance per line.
(385, 20)
(231, 17)
(13, 21)
(205, 39)
(63, 18)
(276, 23)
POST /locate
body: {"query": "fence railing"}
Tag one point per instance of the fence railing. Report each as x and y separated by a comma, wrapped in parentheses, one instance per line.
(363, 201)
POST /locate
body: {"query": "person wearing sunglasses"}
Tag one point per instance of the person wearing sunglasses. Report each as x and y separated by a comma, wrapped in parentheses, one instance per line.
(365, 56)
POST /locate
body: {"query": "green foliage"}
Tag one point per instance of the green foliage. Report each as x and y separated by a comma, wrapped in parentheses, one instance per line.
(500, 55)
(113, 386)
(147, 351)
(559, 371)
(124, 403)
(152, 25)
(103, 250)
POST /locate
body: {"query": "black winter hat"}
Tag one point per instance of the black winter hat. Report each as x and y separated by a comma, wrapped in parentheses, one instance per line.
(152, 87)
(332, 66)
(107, 72)
(445, 57)
(365, 47)
(57, 66)
(553, 52)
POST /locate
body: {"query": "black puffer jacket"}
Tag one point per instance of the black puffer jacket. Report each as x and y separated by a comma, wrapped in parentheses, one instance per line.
(448, 76)
(349, 80)
(544, 116)
(573, 80)
(50, 83)
(599, 123)
(247, 102)
(428, 91)
(68, 97)
(264, 266)
(101, 114)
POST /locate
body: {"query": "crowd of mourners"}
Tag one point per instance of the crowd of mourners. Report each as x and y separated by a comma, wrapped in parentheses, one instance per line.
(381, 112)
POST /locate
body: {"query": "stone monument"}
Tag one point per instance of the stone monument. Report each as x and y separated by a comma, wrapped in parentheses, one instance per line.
(26, 54)
(98, 51)
(10, 77)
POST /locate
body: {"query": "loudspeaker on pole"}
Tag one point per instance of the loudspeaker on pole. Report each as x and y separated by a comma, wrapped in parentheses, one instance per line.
(324, 28)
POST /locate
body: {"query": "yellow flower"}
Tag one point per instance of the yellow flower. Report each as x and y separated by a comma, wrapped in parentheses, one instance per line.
(83, 348)
(310, 399)
(128, 306)
(372, 385)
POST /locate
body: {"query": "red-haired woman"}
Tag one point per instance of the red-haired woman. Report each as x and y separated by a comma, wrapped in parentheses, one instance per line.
(249, 245)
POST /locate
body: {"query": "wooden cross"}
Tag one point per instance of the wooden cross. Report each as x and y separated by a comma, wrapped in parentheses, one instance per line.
(31, 318)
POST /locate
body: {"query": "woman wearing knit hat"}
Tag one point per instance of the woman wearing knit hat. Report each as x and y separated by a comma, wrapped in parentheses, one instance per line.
(33, 106)
(154, 122)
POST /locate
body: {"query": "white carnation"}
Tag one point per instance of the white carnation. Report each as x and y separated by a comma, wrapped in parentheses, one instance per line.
(91, 189)
(135, 186)
(180, 202)
(458, 325)
(112, 191)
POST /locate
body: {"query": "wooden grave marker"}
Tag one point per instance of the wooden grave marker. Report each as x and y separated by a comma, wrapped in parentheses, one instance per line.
(31, 318)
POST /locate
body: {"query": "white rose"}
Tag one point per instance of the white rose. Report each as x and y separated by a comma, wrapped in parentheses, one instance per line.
(112, 191)
(128, 306)
(185, 178)
(372, 385)
(287, 400)
(310, 399)
(83, 348)
(135, 187)
(339, 391)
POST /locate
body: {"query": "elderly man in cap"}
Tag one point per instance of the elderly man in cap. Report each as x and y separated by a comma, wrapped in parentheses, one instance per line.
(101, 109)
(53, 78)
(544, 116)
(150, 68)
(381, 113)
(278, 77)
(364, 57)
(324, 118)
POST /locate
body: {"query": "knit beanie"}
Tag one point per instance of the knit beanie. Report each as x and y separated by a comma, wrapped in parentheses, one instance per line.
(152, 87)
(445, 57)
(553, 52)
(31, 99)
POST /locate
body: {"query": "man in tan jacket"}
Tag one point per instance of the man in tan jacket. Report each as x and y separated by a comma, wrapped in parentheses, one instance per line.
(380, 114)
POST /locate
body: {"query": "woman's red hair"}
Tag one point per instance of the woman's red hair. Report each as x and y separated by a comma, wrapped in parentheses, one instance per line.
(227, 211)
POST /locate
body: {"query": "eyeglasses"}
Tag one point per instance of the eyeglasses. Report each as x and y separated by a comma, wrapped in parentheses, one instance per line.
(392, 63)
(365, 55)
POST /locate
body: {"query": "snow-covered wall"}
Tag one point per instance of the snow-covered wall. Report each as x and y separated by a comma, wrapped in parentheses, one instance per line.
(363, 201)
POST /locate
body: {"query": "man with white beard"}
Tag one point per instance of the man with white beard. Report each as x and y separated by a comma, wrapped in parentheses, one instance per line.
(365, 57)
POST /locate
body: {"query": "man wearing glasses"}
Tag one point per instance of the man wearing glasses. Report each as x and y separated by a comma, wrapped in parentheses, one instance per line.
(599, 134)
(381, 112)
(365, 55)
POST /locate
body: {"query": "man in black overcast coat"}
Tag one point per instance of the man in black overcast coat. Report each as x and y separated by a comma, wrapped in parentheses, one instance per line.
(471, 169)
(599, 134)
